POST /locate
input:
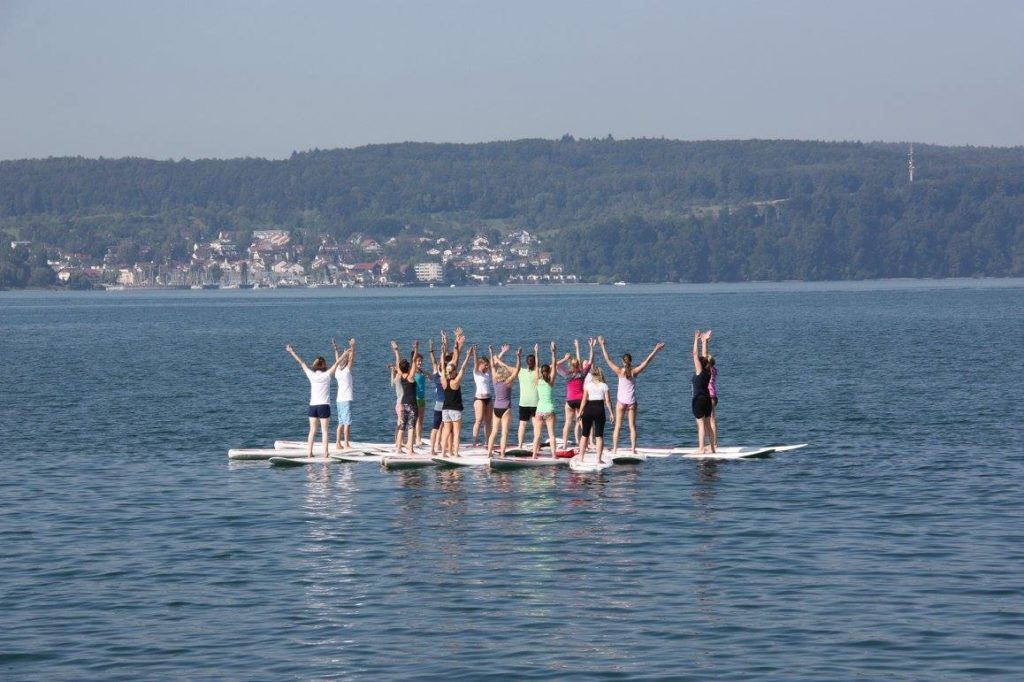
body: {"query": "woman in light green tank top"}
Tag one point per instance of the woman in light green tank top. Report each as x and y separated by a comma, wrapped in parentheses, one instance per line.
(545, 380)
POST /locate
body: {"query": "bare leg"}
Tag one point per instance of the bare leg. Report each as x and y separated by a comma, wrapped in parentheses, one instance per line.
(536, 436)
(456, 427)
(311, 437)
(419, 423)
(599, 441)
(710, 432)
(714, 427)
(488, 420)
(569, 417)
(632, 427)
(325, 430)
(618, 425)
(490, 440)
(700, 436)
(337, 438)
(478, 418)
(551, 432)
(583, 447)
(522, 433)
(348, 443)
(412, 436)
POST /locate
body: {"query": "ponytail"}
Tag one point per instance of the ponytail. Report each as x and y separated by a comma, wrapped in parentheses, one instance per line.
(627, 366)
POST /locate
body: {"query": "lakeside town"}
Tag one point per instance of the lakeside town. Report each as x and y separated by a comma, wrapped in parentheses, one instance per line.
(273, 258)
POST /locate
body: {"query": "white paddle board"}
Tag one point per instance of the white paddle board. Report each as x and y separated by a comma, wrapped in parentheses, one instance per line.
(406, 462)
(589, 464)
(355, 445)
(739, 453)
(505, 463)
(627, 457)
(356, 457)
(297, 461)
(462, 460)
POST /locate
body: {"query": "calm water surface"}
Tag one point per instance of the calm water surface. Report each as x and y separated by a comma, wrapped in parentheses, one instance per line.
(891, 548)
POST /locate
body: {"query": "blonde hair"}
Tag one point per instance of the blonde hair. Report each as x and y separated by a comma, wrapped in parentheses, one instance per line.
(597, 374)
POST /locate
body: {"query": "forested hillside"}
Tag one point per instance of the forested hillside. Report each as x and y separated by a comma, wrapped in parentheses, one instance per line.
(641, 210)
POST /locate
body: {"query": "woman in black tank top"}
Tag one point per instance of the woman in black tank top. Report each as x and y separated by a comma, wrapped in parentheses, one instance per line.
(701, 403)
(451, 413)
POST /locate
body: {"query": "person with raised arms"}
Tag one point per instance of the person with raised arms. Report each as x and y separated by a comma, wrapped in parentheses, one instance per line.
(574, 371)
(319, 397)
(451, 415)
(592, 415)
(626, 402)
(504, 377)
(343, 375)
(701, 401)
(407, 401)
(483, 410)
(527, 397)
(544, 382)
(436, 368)
(421, 397)
(712, 387)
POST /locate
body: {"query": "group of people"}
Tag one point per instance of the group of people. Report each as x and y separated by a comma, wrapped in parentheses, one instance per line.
(588, 404)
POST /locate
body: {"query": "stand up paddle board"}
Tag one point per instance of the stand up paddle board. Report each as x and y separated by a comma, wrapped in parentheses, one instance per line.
(738, 453)
(392, 462)
(354, 445)
(297, 461)
(462, 460)
(627, 457)
(505, 463)
(356, 457)
(589, 464)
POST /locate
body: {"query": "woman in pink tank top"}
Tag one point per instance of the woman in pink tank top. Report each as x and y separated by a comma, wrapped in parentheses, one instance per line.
(626, 402)
(574, 374)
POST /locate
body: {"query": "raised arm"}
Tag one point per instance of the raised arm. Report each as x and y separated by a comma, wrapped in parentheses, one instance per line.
(291, 352)
(498, 360)
(576, 343)
(590, 360)
(608, 361)
(554, 375)
(394, 350)
(643, 365)
(337, 351)
(462, 369)
(704, 338)
(411, 374)
(696, 357)
(515, 370)
(433, 357)
(351, 352)
(536, 354)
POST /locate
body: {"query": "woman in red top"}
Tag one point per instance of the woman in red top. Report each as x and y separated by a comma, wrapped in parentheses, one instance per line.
(574, 375)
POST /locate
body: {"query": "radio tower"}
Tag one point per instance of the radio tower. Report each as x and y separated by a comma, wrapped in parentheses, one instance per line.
(910, 163)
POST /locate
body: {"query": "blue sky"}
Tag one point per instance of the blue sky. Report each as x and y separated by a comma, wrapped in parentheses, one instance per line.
(226, 79)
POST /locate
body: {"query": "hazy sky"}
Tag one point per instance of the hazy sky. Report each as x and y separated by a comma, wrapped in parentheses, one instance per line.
(221, 79)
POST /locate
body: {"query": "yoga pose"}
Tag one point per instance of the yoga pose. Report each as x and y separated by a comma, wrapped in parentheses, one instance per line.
(482, 409)
(451, 415)
(343, 375)
(545, 384)
(592, 416)
(574, 375)
(701, 402)
(407, 400)
(712, 387)
(421, 397)
(626, 403)
(319, 397)
(504, 377)
(527, 397)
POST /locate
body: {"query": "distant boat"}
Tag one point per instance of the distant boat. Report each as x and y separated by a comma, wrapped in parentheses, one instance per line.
(620, 283)
(211, 285)
(246, 286)
(113, 287)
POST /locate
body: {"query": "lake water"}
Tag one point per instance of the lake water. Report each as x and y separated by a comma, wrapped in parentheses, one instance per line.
(890, 548)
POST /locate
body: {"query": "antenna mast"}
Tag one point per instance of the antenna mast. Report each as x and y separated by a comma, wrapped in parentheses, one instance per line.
(910, 163)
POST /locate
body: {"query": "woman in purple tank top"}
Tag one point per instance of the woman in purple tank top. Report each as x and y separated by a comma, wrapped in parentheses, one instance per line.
(712, 389)
(504, 377)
